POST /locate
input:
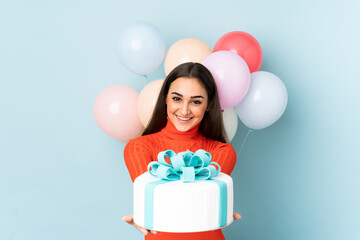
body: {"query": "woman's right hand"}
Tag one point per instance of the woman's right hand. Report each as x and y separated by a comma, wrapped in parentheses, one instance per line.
(130, 220)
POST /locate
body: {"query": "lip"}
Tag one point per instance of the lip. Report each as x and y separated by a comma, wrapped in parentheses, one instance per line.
(183, 121)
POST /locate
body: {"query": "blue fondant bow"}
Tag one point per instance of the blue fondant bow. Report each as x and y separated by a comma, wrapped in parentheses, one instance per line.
(186, 166)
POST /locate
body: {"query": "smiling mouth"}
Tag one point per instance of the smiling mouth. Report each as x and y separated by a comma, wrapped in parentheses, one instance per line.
(184, 118)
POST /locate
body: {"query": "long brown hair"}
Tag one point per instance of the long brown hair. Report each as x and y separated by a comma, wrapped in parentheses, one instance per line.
(211, 125)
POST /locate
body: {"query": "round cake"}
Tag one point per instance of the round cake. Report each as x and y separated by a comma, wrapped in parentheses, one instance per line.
(177, 206)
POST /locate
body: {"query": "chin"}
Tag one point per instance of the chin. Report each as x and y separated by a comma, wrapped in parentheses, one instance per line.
(182, 128)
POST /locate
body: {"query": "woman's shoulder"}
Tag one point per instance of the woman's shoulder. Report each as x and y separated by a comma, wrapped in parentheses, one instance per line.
(217, 145)
(142, 141)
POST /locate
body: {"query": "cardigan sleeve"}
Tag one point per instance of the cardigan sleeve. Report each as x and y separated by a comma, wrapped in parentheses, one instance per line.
(137, 157)
(225, 155)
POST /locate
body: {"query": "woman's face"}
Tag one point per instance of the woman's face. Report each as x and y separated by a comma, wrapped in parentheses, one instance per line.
(186, 103)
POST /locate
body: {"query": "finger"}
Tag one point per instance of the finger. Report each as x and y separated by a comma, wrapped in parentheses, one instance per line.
(237, 216)
(153, 231)
(128, 219)
(142, 230)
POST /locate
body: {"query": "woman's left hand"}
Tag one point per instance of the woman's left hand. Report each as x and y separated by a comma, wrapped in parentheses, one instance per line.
(236, 217)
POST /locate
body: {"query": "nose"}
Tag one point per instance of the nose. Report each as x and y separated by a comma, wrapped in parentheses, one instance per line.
(185, 110)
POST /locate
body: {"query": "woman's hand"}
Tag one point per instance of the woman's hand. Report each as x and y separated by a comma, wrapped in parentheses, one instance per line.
(236, 217)
(130, 220)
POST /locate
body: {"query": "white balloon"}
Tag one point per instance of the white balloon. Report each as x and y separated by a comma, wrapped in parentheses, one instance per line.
(265, 101)
(141, 47)
(230, 119)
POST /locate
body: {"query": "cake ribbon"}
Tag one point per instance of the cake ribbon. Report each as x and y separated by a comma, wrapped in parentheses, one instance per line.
(186, 166)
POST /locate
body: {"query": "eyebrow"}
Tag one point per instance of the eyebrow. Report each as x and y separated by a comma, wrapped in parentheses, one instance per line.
(199, 96)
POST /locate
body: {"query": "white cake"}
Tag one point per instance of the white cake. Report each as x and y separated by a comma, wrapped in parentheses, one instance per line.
(175, 206)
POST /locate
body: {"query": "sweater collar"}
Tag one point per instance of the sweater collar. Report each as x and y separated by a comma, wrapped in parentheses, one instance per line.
(171, 132)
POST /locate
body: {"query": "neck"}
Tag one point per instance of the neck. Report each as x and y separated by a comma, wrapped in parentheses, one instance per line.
(171, 132)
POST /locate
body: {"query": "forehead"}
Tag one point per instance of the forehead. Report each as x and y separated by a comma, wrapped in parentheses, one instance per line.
(188, 86)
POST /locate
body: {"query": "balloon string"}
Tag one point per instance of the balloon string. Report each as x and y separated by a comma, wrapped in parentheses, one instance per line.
(242, 145)
(145, 79)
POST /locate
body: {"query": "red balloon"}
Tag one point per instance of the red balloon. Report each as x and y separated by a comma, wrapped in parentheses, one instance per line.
(244, 45)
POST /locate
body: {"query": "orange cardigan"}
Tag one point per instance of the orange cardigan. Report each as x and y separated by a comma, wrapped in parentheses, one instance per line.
(138, 153)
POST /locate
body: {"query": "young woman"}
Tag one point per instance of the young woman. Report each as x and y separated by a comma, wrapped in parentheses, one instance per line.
(187, 116)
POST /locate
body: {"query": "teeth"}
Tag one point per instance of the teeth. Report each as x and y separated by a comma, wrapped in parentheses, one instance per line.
(184, 119)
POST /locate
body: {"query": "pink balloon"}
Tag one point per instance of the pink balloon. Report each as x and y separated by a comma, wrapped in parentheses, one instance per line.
(115, 111)
(232, 77)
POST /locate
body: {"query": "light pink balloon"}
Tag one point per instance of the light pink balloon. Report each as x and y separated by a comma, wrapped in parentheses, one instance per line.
(185, 50)
(115, 111)
(232, 77)
(147, 100)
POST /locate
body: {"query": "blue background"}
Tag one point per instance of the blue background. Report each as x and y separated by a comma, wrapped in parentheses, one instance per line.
(61, 177)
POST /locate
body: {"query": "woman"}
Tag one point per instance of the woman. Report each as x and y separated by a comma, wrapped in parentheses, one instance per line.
(187, 116)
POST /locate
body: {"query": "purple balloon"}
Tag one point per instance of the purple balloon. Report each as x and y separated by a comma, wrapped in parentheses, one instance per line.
(232, 77)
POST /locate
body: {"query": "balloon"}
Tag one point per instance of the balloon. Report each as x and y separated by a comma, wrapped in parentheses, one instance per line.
(185, 50)
(147, 100)
(230, 119)
(231, 75)
(264, 103)
(244, 45)
(115, 112)
(141, 47)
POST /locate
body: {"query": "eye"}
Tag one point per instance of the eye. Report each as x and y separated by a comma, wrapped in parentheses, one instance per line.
(176, 99)
(197, 102)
